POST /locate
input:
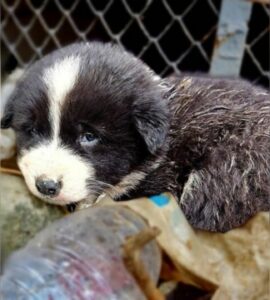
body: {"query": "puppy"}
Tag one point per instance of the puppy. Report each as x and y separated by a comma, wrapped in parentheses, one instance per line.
(91, 119)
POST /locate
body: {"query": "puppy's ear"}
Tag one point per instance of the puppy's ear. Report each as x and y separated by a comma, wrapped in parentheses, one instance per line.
(6, 120)
(7, 113)
(152, 121)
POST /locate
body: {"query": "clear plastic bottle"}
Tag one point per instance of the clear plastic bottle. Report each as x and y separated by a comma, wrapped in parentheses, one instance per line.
(79, 257)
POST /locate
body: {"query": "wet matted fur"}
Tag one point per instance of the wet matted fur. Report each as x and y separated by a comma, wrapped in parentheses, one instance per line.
(221, 130)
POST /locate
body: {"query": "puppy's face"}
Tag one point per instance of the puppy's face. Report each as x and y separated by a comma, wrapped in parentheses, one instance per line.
(86, 118)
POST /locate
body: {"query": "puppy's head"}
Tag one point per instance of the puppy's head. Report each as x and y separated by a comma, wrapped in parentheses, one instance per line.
(86, 116)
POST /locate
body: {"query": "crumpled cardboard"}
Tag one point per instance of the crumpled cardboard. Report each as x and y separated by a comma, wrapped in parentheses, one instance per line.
(234, 265)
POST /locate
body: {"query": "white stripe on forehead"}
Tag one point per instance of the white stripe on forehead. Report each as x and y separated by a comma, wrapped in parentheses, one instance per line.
(60, 79)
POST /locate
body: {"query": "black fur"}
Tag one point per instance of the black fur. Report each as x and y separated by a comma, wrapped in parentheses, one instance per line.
(214, 131)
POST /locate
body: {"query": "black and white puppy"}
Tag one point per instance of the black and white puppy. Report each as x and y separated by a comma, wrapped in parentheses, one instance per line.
(91, 119)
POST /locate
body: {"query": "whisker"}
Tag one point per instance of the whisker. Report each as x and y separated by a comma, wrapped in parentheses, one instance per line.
(102, 184)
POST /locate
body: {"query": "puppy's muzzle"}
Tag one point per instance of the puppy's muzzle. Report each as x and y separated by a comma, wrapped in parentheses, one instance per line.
(48, 187)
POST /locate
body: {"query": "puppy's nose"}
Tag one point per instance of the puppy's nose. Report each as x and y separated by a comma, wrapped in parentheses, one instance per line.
(48, 187)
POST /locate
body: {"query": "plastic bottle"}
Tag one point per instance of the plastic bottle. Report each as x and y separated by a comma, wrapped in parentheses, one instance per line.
(79, 257)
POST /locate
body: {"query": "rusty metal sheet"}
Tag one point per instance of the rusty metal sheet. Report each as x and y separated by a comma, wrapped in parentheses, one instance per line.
(231, 37)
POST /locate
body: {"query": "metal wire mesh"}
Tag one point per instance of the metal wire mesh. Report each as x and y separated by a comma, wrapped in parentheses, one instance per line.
(256, 64)
(168, 35)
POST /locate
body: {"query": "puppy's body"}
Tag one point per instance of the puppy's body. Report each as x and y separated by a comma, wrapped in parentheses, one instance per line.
(92, 119)
(218, 158)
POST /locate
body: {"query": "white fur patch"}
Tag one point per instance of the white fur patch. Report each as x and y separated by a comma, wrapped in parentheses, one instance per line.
(128, 183)
(132, 180)
(193, 182)
(57, 163)
(60, 79)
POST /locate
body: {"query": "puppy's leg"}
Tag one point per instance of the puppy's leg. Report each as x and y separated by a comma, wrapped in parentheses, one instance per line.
(231, 188)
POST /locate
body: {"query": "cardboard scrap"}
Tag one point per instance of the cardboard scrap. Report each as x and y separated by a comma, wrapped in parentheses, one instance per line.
(234, 265)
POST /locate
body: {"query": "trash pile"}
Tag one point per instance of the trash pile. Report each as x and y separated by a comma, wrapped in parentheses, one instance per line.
(87, 248)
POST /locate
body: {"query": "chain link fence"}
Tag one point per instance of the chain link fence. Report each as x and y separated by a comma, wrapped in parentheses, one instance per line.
(256, 62)
(169, 35)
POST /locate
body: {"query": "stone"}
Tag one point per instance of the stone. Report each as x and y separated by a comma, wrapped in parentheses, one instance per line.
(21, 214)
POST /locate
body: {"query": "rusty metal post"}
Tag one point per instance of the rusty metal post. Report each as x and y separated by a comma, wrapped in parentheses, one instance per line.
(231, 37)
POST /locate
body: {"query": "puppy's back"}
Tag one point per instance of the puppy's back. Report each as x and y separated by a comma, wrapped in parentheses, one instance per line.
(221, 139)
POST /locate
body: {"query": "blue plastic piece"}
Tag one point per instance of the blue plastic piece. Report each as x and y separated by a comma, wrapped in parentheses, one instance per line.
(160, 200)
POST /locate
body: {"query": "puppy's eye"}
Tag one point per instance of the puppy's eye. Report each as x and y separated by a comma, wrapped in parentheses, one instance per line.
(88, 138)
(30, 130)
